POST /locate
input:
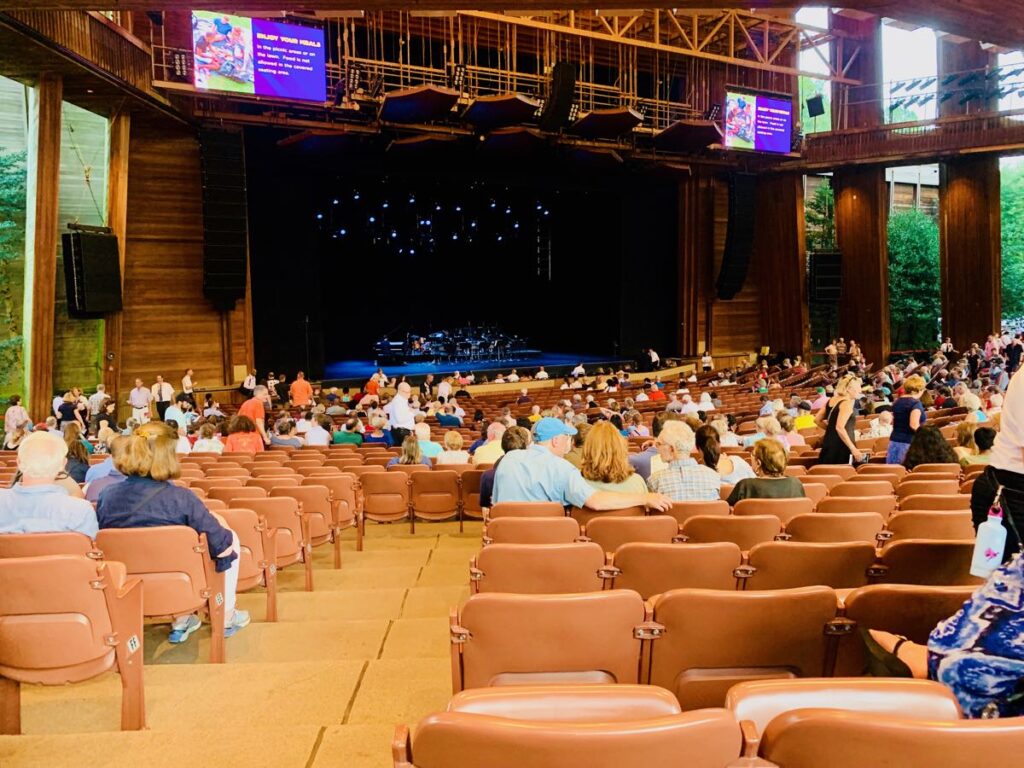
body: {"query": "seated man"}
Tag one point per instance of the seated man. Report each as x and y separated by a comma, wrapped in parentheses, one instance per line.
(39, 503)
(490, 451)
(683, 479)
(320, 431)
(513, 439)
(540, 473)
(447, 418)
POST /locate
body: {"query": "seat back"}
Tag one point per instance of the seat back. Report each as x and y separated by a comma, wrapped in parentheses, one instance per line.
(435, 494)
(940, 467)
(613, 532)
(897, 470)
(230, 495)
(316, 506)
(343, 493)
(921, 561)
(207, 483)
(699, 660)
(744, 532)
(538, 568)
(788, 564)
(583, 515)
(945, 526)
(42, 544)
(273, 471)
(935, 503)
(784, 509)
(282, 514)
(366, 469)
(505, 639)
(862, 488)
(54, 620)
(385, 496)
(221, 471)
(173, 562)
(652, 569)
(526, 509)
(249, 528)
(568, 703)
(797, 739)
(532, 530)
(883, 505)
(470, 492)
(845, 471)
(911, 487)
(269, 483)
(820, 478)
(824, 527)
(409, 469)
(684, 510)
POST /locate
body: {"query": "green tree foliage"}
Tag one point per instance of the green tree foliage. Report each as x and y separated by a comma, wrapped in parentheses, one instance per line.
(820, 218)
(1012, 194)
(12, 252)
(813, 86)
(914, 302)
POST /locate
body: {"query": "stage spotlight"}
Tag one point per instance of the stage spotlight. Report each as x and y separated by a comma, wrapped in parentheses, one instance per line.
(711, 113)
(472, 224)
(499, 238)
(342, 232)
(508, 211)
(384, 204)
(574, 112)
(373, 219)
(642, 111)
(352, 77)
(516, 225)
(355, 196)
(455, 236)
(335, 201)
(458, 209)
(540, 108)
(457, 77)
(319, 217)
(493, 204)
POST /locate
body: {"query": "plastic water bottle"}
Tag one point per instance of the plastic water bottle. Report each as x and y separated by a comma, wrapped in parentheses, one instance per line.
(988, 547)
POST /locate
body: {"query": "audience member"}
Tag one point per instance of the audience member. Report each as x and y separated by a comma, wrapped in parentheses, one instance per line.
(114, 476)
(604, 462)
(683, 479)
(348, 433)
(77, 463)
(208, 442)
(242, 436)
(929, 447)
(453, 453)
(491, 451)
(255, 409)
(378, 433)
(286, 435)
(837, 418)
(983, 438)
(769, 464)
(300, 393)
(428, 448)
(411, 453)
(731, 469)
(320, 431)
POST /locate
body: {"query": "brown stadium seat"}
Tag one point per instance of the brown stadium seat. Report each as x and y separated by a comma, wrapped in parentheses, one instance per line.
(935, 503)
(684, 510)
(219, 471)
(858, 488)
(274, 472)
(820, 478)
(205, 484)
(920, 561)
(41, 544)
(177, 574)
(538, 569)
(385, 496)
(231, 495)
(344, 464)
(319, 511)
(916, 476)
(883, 505)
(952, 468)
(911, 487)
(269, 483)
(902, 609)
(346, 499)
(824, 527)
(434, 496)
(784, 509)
(898, 470)
(891, 479)
(788, 564)
(651, 569)
(944, 526)
(532, 530)
(816, 492)
(469, 492)
(318, 471)
(613, 532)
(526, 509)
(567, 703)
(456, 468)
(65, 619)
(306, 460)
(619, 729)
(508, 639)
(213, 505)
(257, 565)
(291, 527)
(366, 469)
(378, 460)
(408, 469)
(753, 635)
(798, 740)
(583, 515)
(758, 702)
(845, 471)
(744, 532)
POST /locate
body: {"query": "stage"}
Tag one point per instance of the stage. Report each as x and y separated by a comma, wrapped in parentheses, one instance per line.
(356, 372)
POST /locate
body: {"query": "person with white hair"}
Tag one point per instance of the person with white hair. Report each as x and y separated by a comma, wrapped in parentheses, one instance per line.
(705, 403)
(688, 405)
(683, 479)
(39, 503)
(400, 416)
(428, 448)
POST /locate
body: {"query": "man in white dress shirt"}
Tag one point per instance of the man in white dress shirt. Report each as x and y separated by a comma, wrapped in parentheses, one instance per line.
(163, 393)
(579, 370)
(139, 399)
(541, 374)
(444, 389)
(400, 415)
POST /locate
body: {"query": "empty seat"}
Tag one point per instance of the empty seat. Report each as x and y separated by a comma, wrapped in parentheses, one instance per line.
(845, 471)
(220, 471)
(408, 469)
(206, 483)
(469, 493)
(784, 509)
(177, 573)
(274, 472)
(434, 496)
(753, 635)
(257, 564)
(508, 639)
(945, 526)
(862, 487)
(744, 532)
(385, 496)
(526, 509)
(532, 530)
(232, 494)
(882, 469)
(583, 515)
(291, 532)
(920, 561)
(816, 492)
(825, 527)
(883, 505)
(269, 483)
(613, 532)
(345, 498)
(788, 564)
(820, 478)
(892, 479)
(651, 569)
(318, 471)
(319, 511)
(931, 502)
(684, 510)
(911, 487)
(942, 467)
(538, 568)
(65, 619)
(366, 469)
(53, 543)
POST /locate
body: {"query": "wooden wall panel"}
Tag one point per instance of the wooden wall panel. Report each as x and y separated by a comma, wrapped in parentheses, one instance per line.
(862, 216)
(696, 252)
(858, 51)
(970, 249)
(780, 263)
(956, 58)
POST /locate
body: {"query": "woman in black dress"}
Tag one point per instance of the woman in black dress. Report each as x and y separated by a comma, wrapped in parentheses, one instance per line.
(837, 418)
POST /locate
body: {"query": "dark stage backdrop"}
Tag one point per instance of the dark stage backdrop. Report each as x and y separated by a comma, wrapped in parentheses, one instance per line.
(571, 258)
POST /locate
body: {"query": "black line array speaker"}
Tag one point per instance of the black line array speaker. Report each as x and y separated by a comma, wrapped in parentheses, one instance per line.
(826, 277)
(225, 227)
(92, 273)
(739, 235)
(559, 103)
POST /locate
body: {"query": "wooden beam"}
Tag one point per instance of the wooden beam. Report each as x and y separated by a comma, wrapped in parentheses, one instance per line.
(41, 234)
(117, 220)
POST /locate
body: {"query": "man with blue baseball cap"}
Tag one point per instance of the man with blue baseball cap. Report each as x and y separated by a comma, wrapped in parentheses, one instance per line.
(539, 473)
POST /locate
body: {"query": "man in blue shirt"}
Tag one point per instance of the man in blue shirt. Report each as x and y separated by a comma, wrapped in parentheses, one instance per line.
(539, 473)
(38, 504)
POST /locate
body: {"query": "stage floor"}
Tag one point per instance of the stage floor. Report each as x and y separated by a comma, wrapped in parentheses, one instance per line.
(363, 369)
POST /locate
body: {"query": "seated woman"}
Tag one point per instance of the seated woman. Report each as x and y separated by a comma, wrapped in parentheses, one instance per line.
(929, 447)
(377, 433)
(147, 498)
(411, 453)
(208, 442)
(984, 439)
(964, 439)
(78, 458)
(972, 403)
(453, 453)
(242, 436)
(769, 460)
(286, 435)
(13, 438)
(789, 433)
(731, 469)
(635, 426)
(604, 461)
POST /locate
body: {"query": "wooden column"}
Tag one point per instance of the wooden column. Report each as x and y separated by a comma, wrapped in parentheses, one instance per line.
(957, 58)
(862, 217)
(780, 258)
(970, 249)
(696, 232)
(117, 220)
(857, 51)
(41, 237)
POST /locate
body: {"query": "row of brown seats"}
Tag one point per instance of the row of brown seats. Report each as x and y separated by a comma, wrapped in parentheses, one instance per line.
(842, 723)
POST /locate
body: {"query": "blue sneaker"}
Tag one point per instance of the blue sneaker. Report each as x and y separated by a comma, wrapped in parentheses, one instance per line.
(182, 634)
(238, 621)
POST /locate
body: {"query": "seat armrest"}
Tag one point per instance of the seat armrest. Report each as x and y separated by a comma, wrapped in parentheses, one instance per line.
(751, 738)
(401, 747)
